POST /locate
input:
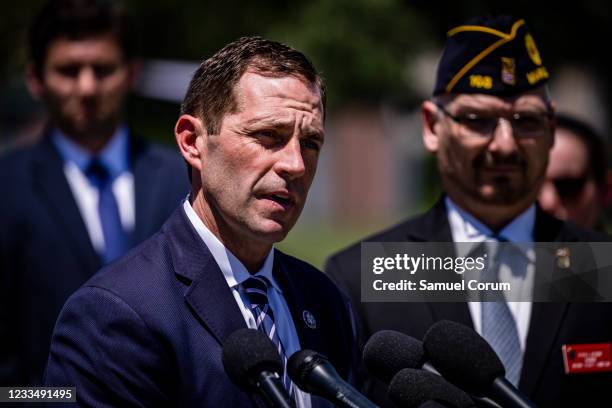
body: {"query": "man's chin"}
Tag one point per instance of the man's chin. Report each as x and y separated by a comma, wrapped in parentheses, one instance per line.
(273, 231)
(501, 195)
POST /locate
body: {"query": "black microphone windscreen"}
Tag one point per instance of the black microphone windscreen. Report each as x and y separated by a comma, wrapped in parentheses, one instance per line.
(246, 353)
(462, 356)
(300, 365)
(389, 351)
(411, 388)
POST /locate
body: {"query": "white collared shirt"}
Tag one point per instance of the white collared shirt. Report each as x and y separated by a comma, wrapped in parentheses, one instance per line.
(466, 228)
(235, 273)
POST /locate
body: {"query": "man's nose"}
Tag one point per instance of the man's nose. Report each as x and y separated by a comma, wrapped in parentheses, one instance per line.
(87, 82)
(549, 198)
(290, 163)
(503, 140)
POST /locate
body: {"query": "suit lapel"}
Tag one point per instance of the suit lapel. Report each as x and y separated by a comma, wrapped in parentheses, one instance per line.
(546, 318)
(208, 295)
(49, 182)
(434, 227)
(299, 305)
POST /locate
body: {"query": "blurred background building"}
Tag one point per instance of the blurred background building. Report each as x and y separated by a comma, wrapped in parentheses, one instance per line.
(378, 57)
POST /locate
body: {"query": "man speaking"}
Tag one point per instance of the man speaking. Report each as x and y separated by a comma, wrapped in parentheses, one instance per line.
(149, 329)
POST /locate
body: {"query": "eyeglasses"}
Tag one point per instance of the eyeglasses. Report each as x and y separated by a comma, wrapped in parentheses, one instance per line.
(569, 188)
(524, 124)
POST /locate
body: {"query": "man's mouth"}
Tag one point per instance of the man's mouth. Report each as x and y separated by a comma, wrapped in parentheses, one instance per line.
(503, 168)
(282, 198)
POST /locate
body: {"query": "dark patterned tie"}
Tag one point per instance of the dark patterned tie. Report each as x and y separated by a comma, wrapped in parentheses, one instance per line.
(498, 324)
(115, 238)
(255, 291)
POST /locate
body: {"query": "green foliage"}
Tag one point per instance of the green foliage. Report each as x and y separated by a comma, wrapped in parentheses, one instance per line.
(361, 46)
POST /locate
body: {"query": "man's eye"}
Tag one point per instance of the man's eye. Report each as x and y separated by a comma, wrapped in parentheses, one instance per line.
(71, 71)
(476, 121)
(529, 121)
(102, 71)
(269, 137)
(311, 144)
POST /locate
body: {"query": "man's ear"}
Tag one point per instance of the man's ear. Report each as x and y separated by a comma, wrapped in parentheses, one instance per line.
(429, 120)
(34, 82)
(187, 131)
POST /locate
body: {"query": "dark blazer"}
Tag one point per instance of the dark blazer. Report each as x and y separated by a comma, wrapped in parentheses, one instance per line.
(45, 250)
(551, 326)
(149, 330)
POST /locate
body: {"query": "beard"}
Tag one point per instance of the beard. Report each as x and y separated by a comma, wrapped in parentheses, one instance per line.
(496, 188)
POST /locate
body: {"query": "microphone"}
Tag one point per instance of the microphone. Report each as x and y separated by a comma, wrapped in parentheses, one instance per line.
(410, 388)
(466, 359)
(389, 351)
(252, 362)
(313, 373)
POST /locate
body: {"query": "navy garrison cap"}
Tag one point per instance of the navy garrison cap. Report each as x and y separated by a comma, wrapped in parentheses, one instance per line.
(495, 56)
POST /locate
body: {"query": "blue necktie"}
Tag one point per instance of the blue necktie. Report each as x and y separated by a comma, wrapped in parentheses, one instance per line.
(498, 324)
(255, 289)
(115, 238)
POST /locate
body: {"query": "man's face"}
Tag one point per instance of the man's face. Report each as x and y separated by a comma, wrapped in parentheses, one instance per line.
(257, 171)
(84, 84)
(569, 191)
(491, 161)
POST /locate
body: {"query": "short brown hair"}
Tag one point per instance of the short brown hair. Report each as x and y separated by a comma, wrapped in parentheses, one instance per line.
(77, 20)
(211, 92)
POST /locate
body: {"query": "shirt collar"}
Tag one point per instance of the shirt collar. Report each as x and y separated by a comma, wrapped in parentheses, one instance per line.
(115, 155)
(234, 271)
(466, 228)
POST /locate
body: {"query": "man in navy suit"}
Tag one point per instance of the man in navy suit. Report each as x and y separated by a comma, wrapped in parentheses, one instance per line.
(490, 124)
(149, 329)
(59, 221)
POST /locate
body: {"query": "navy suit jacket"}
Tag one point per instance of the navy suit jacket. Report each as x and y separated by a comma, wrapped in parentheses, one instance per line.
(149, 329)
(551, 325)
(45, 250)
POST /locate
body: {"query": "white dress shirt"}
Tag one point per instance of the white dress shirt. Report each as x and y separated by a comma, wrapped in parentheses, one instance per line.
(236, 273)
(466, 228)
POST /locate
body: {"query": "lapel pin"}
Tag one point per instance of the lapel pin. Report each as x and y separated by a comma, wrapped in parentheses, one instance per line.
(563, 257)
(309, 319)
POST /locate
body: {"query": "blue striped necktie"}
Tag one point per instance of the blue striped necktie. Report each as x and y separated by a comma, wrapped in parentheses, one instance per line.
(255, 289)
(498, 324)
(115, 238)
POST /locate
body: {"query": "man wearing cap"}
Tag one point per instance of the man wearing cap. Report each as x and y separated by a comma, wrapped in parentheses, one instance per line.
(490, 124)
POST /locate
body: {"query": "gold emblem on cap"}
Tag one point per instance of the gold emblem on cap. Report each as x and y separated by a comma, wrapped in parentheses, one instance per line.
(508, 74)
(563, 257)
(481, 81)
(532, 50)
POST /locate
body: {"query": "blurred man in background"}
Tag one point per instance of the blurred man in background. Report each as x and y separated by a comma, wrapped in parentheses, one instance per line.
(490, 124)
(576, 178)
(88, 191)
